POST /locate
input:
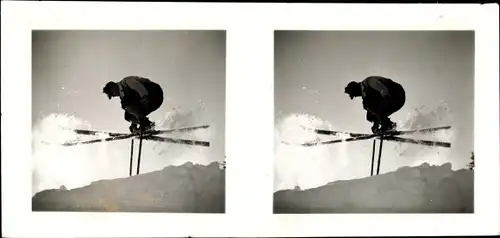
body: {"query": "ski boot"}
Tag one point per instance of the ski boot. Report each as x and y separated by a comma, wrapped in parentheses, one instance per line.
(387, 126)
(146, 125)
(133, 128)
(375, 128)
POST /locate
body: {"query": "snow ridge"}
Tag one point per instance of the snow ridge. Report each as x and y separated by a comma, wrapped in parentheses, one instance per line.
(186, 188)
(422, 189)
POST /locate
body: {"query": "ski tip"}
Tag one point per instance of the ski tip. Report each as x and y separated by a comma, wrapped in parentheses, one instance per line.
(291, 144)
(285, 142)
(308, 144)
(326, 132)
(198, 127)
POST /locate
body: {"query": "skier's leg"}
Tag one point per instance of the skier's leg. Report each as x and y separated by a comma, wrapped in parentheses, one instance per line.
(133, 120)
(381, 113)
(139, 113)
(398, 100)
(155, 101)
(372, 118)
(137, 110)
(387, 110)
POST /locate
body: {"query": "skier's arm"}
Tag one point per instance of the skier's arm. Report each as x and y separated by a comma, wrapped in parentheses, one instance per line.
(124, 104)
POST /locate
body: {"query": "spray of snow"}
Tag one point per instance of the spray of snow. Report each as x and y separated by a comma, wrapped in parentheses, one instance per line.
(182, 118)
(428, 117)
(305, 167)
(55, 165)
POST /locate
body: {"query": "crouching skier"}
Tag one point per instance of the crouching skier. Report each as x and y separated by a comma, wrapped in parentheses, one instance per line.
(139, 97)
(381, 98)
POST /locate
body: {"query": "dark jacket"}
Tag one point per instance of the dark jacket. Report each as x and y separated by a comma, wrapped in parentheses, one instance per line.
(377, 89)
(135, 90)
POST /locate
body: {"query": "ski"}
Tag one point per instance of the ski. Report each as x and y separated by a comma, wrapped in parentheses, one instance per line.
(385, 137)
(146, 137)
(113, 134)
(389, 136)
(179, 141)
(364, 137)
(426, 130)
(121, 136)
(93, 133)
(331, 132)
(419, 142)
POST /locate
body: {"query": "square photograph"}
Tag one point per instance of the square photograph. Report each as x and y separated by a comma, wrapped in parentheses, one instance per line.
(374, 121)
(128, 121)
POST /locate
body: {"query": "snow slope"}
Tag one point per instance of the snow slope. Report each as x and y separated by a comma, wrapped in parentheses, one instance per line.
(422, 189)
(187, 188)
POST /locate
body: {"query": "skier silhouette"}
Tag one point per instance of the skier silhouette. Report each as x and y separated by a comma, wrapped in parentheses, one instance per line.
(139, 97)
(381, 98)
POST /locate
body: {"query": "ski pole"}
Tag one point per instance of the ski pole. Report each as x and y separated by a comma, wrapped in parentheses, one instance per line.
(140, 149)
(373, 156)
(131, 157)
(379, 155)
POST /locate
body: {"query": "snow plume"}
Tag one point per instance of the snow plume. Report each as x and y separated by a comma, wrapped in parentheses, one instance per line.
(182, 118)
(305, 167)
(55, 165)
(428, 117)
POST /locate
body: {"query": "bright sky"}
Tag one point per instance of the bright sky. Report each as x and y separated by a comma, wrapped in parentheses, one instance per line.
(312, 68)
(70, 68)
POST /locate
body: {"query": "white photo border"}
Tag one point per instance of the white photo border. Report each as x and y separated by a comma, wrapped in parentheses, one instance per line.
(249, 115)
